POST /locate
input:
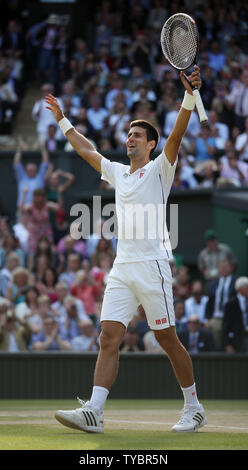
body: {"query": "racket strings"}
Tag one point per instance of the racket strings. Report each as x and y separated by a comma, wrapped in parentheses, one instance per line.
(179, 42)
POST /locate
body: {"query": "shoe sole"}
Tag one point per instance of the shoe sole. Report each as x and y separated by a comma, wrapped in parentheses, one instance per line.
(70, 424)
(195, 429)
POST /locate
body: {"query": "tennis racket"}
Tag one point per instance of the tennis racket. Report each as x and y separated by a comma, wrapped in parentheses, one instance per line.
(180, 46)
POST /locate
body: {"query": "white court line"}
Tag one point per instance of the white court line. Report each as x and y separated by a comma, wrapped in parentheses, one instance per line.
(171, 424)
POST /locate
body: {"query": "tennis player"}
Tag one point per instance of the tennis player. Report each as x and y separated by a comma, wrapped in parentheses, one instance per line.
(141, 271)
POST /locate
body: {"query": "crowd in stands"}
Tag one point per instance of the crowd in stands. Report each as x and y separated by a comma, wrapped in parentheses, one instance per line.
(115, 72)
(51, 285)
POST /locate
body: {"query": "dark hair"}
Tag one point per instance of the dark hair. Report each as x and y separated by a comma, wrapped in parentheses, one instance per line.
(151, 131)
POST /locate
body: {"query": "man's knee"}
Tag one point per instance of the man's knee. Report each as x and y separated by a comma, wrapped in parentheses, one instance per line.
(167, 338)
(111, 336)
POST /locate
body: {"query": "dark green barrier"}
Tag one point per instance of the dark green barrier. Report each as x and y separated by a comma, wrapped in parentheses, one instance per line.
(141, 375)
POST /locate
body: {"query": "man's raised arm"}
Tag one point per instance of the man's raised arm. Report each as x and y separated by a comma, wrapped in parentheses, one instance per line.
(173, 142)
(80, 143)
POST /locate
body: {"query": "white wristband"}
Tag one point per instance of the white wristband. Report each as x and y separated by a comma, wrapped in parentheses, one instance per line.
(188, 101)
(65, 125)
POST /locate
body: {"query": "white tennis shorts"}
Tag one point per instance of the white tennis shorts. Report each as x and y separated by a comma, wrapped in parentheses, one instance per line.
(148, 283)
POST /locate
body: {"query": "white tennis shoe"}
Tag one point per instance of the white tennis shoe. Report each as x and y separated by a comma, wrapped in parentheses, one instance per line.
(193, 418)
(84, 418)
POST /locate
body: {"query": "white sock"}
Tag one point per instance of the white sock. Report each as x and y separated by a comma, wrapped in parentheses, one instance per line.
(190, 395)
(98, 398)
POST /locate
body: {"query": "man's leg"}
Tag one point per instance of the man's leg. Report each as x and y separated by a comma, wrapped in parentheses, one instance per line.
(179, 357)
(107, 362)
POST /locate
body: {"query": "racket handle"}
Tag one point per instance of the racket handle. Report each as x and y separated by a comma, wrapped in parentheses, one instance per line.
(200, 108)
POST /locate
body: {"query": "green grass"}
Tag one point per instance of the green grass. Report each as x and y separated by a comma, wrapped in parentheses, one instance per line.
(43, 432)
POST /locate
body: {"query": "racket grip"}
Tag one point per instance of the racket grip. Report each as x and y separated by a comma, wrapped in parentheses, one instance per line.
(200, 108)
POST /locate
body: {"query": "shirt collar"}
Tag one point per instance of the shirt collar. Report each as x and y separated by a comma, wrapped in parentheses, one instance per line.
(142, 170)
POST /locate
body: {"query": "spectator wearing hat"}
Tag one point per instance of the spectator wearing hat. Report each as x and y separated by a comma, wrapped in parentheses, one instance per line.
(14, 334)
(210, 256)
(235, 322)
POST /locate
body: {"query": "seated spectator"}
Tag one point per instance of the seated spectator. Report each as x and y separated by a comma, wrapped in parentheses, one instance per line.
(216, 58)
(209, 257)
(197, 338)
(21, 232)
(219, 292)
(35, 321)
(30, 307)
(180, 318)
(183, 285)
(131, 341)
(151, 345)
(87, 290)
(47, 284)
(140, 322)
(30, 178)
(48, 339)
(117, 85)
(69, 245)
(207, 174)
(69, 324)
(193, 128)
(6, 273)
(70, 96)
(104, 246)
(15, 335)
(179, 182)
(143, 94)
(196, 303)
(241, 145)
(88, 339)
(119, 114)
(93, 240)
(58, 307)
(204, 145)
(96, 114)
(52, 142)
(237, 99)
(233, 170)
(72, 267)
(11, 245)
(17, 289)
(222, 134)
(235, 321)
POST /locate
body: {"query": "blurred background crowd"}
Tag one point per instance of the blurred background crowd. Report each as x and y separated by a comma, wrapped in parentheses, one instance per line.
(51, 285)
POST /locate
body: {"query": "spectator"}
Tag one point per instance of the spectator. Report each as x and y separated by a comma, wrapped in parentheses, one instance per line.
(55, 188)
(222, 134)
(59, 306)
(12, 262)
(104, 246)
(48, 53)
(39, 220)
(70, 323)
(47, 284)
(17, 288)
(235, 322)
(151, 345)
(11, 245)
(87, 290)
(30, 178)
(140, 53)
(42, 115)
(30, 307)
(48, 339)
(96, 114)
(14, 334)
(219, 292)
(193, 129)
(204, 145)
(233, 170)
(180, 318)
(197, 338)
(73, 266)
(88, 339)
(210, 256)
(70, 98)
(237, 99)
(131, 341)
(52, 142)
(216, 58)
(207, 174)
(197, 302)
(117, 86)
(21, 232)
(241, 145)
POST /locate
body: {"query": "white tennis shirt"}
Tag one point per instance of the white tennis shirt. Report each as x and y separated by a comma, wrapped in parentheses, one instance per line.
(140, 200)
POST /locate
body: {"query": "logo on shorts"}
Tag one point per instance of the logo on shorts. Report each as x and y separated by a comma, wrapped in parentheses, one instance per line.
(163, 320)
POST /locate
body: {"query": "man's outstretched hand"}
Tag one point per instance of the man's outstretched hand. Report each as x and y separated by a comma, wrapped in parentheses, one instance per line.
(54, 106)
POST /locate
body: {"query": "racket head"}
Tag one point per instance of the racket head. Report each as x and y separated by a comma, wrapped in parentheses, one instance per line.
(180, 41)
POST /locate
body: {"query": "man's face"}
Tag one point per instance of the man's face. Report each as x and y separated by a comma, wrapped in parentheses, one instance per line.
(137, 144)
(31, 170)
